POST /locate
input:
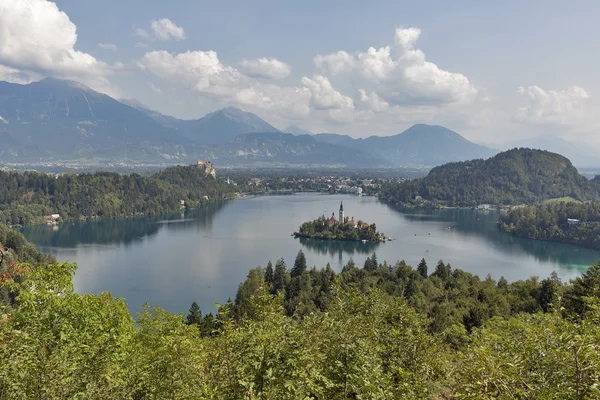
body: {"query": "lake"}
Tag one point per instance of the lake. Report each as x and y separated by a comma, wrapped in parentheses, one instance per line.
(171, 261)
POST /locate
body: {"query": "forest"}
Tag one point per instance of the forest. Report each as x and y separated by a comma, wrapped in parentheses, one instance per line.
(26, 197)
(377, 331)
(550, 221)
(350, 230)
(518, 176)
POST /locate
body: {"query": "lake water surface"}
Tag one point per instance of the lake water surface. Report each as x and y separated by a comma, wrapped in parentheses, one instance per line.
(203, 256)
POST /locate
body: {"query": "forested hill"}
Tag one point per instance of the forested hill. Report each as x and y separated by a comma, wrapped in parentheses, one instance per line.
(518, 176)
(550, 221)
(26, 197)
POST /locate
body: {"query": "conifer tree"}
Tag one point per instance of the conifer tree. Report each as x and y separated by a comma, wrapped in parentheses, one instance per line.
(422, 268)
(299, 265)
(269, 273)
(194, 316)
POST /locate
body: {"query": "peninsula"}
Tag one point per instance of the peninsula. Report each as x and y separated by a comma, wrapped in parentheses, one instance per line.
(343, 228)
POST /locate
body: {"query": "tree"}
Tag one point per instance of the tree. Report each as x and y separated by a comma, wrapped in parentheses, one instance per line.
(299, 265)
(349, 265)
(269, 273)
(194, 316)
(441, 271)
(280, 276)
(422, 268)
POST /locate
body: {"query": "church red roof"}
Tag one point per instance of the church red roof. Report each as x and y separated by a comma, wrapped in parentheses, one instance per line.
(332, 219)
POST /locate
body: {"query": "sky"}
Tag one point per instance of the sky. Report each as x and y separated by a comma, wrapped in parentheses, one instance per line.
(496, 72)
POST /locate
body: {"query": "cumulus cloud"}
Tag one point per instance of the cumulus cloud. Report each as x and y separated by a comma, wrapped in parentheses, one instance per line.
(108, 46)
(402, 78)
(269, 68)
(563, 107)
(15, 76)
(38, 39)
(164, 29)
(336, 63)
(324, 96)
(203, 72)
(372, 101)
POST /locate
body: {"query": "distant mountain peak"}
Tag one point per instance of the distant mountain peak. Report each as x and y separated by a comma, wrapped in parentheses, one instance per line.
(296, 130)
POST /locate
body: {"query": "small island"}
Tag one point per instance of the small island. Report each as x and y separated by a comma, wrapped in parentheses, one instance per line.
(343, 229)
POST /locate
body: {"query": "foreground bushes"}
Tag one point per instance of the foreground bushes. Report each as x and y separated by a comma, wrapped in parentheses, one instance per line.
(56, 344)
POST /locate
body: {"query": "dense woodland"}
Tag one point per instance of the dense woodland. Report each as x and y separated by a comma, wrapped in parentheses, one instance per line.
(320, 228)
(377, 331)
(26, 197)
(549, 221)
(519, 176)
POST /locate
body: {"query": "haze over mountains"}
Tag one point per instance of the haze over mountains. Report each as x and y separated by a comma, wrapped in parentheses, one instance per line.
(56, 120)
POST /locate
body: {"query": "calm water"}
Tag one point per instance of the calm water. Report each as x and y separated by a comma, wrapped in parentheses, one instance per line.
(203, 255)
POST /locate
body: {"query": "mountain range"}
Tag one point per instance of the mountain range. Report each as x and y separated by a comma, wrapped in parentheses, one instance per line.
(57, 120)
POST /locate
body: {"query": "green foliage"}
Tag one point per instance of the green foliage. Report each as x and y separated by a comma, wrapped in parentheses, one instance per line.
(549, 221)
(26, 197)
(322, 228)
(299, 265)
(518, 176)
(357, 335)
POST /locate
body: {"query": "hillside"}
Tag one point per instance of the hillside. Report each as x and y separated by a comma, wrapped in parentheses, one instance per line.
(285, 148)
(518, 176)
(26, 197)
(55, 119)
(550, 221)
(418, 145)
(218, 127)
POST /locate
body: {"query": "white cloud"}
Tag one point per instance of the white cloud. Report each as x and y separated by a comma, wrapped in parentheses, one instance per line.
(140, 32)
(406, 79)
(564, 107)
(203, 72)
(323, 94)
(154, 88)
(372, 101)
(164, 29)
(38, 39)
(198, 70)
(335, 63)
(15, 76)
(2, 120)
(141, 45)
(269, 68)
(108, 46)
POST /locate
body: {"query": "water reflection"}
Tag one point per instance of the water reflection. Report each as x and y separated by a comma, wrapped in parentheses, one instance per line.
(121, 231)
(483, 224)
(338, 248)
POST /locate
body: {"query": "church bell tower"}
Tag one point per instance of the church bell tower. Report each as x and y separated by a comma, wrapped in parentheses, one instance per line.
(341, 213)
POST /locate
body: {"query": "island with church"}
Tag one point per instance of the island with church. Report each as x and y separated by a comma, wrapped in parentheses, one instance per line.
(342, 228)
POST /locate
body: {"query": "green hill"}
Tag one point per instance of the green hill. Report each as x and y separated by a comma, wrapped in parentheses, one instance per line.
(518, 176)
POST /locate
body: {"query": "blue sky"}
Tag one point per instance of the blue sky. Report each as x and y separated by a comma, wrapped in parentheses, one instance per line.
(495, 72)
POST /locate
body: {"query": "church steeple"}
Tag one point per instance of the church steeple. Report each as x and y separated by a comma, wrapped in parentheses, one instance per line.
(341, 220)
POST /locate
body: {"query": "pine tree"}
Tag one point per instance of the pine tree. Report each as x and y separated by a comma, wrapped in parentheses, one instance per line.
(299, 265)
(194, 316)
(349, 265)
(422, 268)
(374, 260)
(441, 271)
(280, 277)
(269, 273)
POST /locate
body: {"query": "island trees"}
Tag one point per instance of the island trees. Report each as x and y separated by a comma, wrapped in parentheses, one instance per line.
(323, 228)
